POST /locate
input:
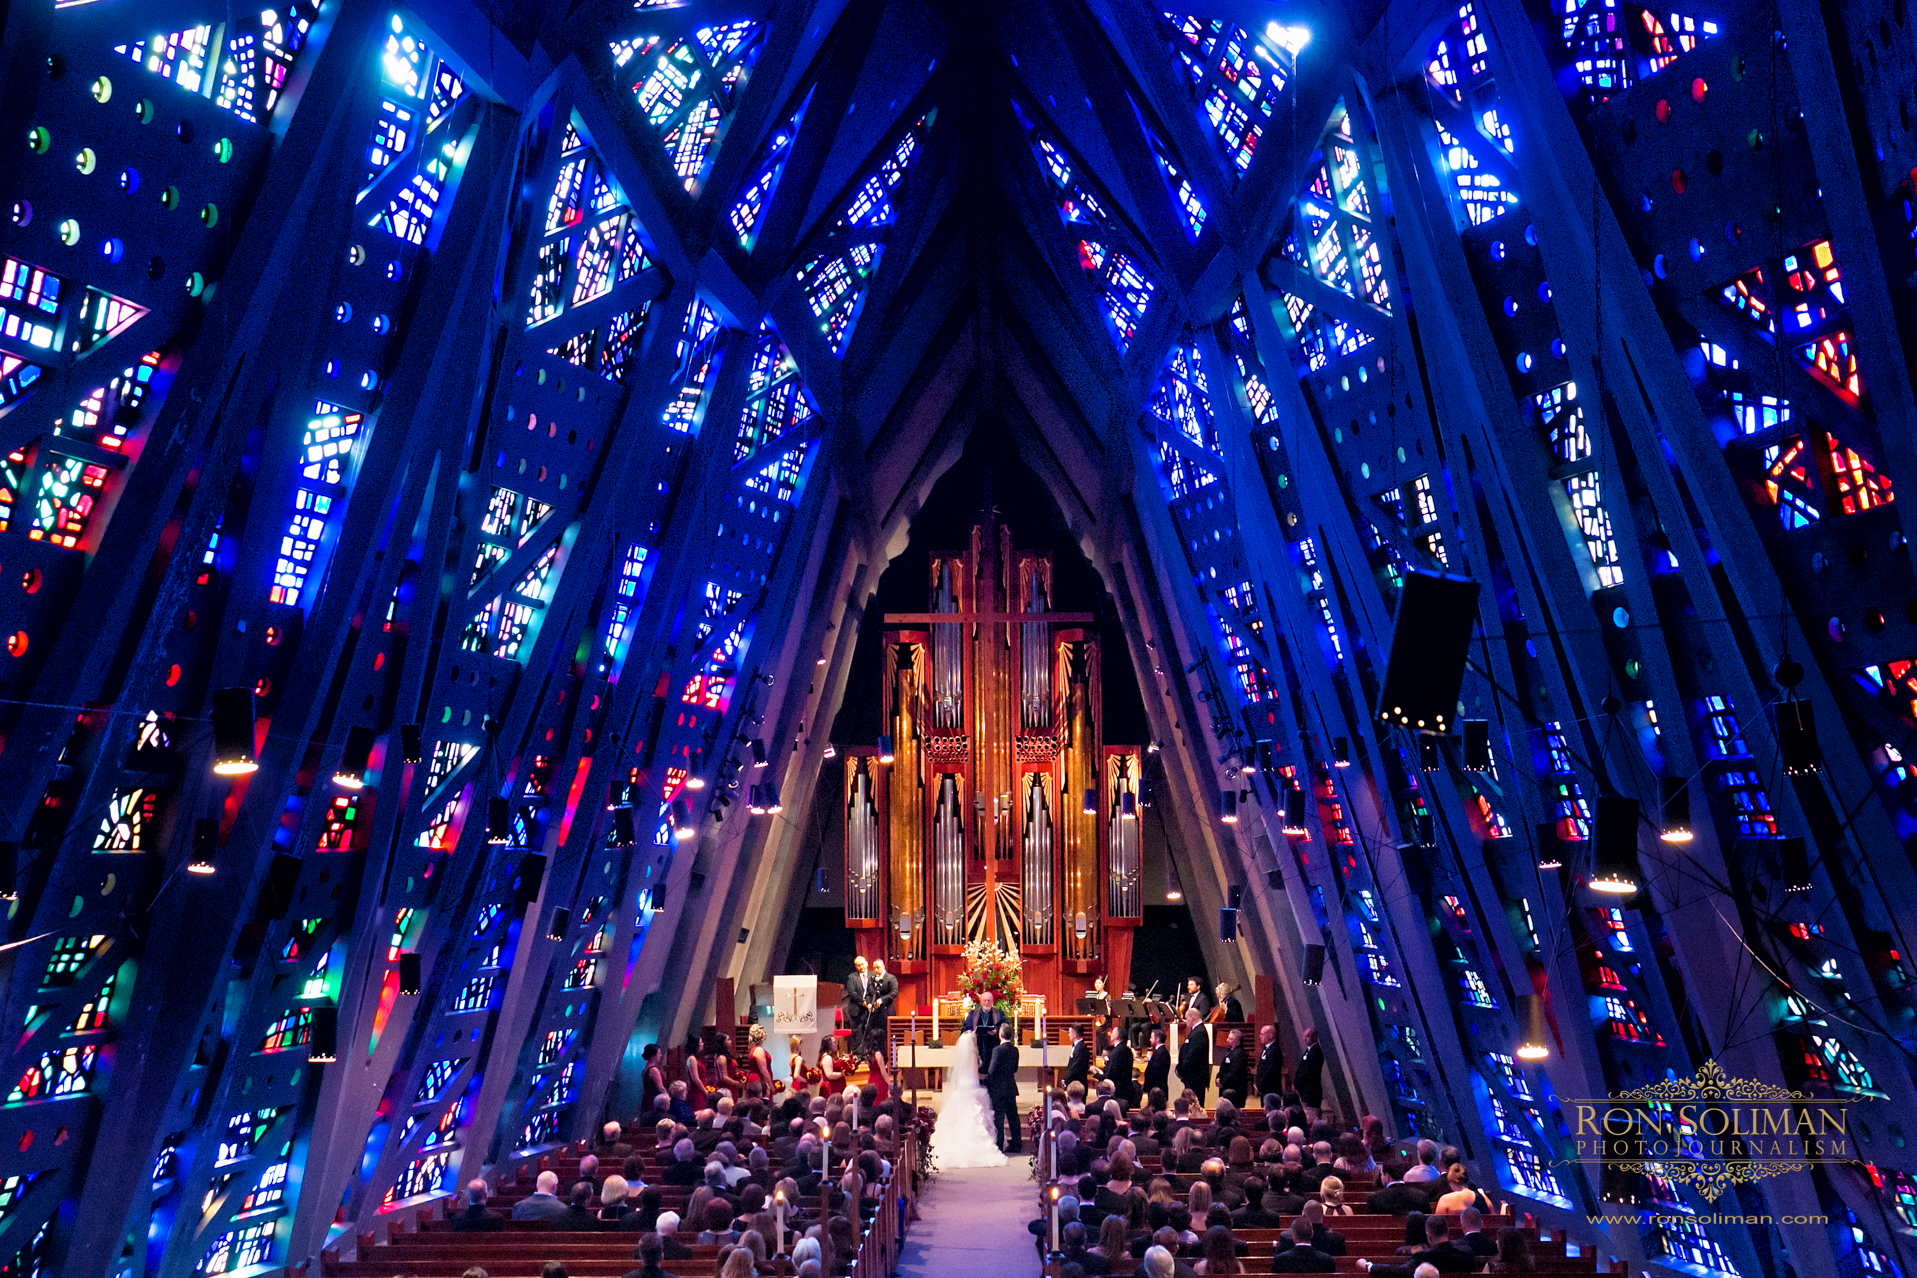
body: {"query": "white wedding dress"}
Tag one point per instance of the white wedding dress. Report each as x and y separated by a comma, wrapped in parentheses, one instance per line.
(964, 1135)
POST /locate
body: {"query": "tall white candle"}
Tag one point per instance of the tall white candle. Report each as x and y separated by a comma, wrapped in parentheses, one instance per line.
(778, 1200)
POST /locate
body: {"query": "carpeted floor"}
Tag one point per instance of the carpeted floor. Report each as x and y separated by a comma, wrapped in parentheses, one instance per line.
(972, 1221)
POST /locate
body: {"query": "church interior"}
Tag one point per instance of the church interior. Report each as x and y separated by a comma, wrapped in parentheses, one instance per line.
(563, 561)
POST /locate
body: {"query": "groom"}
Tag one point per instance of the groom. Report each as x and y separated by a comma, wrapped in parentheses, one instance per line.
(1001, 1084)
(986, 1021)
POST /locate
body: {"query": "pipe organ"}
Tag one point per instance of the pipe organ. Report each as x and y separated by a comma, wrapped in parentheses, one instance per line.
(991, 809)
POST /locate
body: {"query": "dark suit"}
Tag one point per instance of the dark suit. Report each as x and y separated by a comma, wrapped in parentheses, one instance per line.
(1448, 1256)
(477, 1220)
(1085, 1260)
(1078, 1069)
(1001, 1084)
(1479, 1243)
(1158, 1069)
(1308, 1077)
(1303, 1260)
(1200, 1000)
(1194, 1062)
(852, 1006)
(986, 1025)
(1270, 1075)
(885, 994)
(1397, 1199)
(538, 1207)
(1234, 1074)
(1118, 1068)
(1331, 1242)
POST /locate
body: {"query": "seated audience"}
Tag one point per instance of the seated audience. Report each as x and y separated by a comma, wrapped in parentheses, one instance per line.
(1514, 1254)
(543, 1203)
(476, 1219)
(1218, 1254)
(1439, 1251)
(1299, 1256)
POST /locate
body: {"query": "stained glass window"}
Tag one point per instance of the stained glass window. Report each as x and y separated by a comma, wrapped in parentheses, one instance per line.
(748, 211)
(1235, 76)
(687, 88)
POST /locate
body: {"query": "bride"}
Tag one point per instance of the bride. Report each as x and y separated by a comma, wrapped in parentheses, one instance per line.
(963, 1135)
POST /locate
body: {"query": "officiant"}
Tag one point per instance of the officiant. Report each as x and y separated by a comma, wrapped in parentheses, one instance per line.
(985, 1021)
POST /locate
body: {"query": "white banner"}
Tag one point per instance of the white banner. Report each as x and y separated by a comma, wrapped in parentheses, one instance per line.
(795, 1004)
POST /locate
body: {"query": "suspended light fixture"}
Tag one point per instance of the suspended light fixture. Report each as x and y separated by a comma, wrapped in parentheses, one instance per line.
(885, 748)
(1614, 867)
(412, 743)
(1535, 1042)
(656, 898)
(1080, 925)
(1793, 855)
(206, 846)
(1550, 855)
(757, 746)
(1797, 739)
(499, 820)
(624, 830)
(233, 732)
(1429, 760)
(324, 1049)
(755, 800)
(1228, 803)
(1677, 810)
(1295, 810)
(1228, 925)
(1127, 806)
(831, 751)
(9, 871)
(772, 805)
(682, 827)
(1341, 752)
(351, 772)
(1477, 744)
(1275, 879)
(410, 972)
(1427, 830)
(1174, 890)
(1147, 792)
(697, 781)
(561, 921)
(1091, 802)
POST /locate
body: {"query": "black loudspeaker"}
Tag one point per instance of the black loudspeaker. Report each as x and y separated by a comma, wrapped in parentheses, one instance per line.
(1228, 925)
(532, 873)
(1314, 964)
(744, 932)
(1275, 879)
(1477, 744)
(696, 881)
(1235, 896)
(409, 973)
(282, 878)
(324, 1049)
(412, 744)
(1429, 640)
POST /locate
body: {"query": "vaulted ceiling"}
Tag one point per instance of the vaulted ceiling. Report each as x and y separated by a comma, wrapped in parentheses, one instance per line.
(524, 402)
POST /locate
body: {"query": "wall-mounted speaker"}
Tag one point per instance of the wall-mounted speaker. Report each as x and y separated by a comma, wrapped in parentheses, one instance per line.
(1429, 639)
(1314, 964)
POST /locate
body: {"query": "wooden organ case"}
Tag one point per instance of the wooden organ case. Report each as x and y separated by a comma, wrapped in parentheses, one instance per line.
(991, 809)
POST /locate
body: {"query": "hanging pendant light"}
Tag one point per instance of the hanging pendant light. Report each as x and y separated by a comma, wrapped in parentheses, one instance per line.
(1614, 868)
(206, 846)
(1550, 854)
(1535, 1044)
(351, 772)
(1295, 810)
(499, 820)
(233, 732)
(1677, 811)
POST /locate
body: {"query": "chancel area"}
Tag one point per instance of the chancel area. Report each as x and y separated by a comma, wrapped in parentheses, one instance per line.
(881, 638)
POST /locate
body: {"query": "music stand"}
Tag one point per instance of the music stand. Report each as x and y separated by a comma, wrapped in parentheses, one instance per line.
(1091, 1007)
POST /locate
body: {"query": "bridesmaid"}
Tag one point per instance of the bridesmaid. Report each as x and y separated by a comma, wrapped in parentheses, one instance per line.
(696, 1092)
(653, 1083)
(761, 1060)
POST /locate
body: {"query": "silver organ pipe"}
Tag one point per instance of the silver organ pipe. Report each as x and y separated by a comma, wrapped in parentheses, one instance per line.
(1037, 869)
(861, 847)
(1035, 665)
(1123, 839)
(948, 864)
(948, 647)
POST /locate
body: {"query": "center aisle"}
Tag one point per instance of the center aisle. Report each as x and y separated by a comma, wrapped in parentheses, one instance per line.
(972, 1221)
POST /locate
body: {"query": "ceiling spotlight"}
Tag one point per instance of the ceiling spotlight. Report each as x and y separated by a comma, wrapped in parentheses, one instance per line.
(1153, 748)
(1535, 1044)
(831, 751)
(206, 846)
(351, 772)
(233, 732)
(1174, 888)
(1677, 811)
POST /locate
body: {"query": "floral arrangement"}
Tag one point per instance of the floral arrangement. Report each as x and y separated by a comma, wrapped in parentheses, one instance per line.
(988, 969)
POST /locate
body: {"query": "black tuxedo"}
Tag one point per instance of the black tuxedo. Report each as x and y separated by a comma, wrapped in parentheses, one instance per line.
(1308, 1077)
(1303, 1260)
(1200, 1000)
(1118, 1068)
(1078, 1069)
(1001, 1084)
(1448, 1256)
(1158, 1069)
(885, 994)
(1270, 1075)
(1194, 1062)
(1234, 1074)
(986, 1025)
